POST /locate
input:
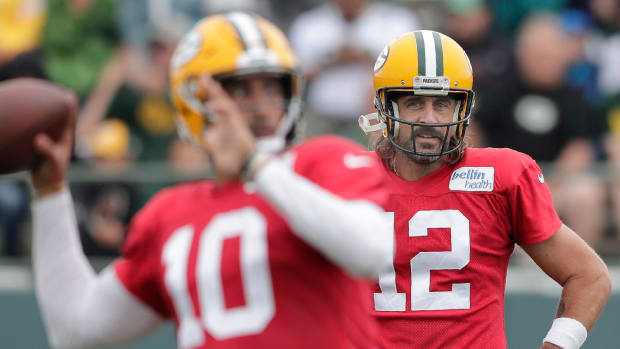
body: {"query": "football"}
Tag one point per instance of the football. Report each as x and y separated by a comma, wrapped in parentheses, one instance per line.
(28, 107)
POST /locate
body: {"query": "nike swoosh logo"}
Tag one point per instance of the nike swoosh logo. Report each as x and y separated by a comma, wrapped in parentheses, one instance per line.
(356, 161)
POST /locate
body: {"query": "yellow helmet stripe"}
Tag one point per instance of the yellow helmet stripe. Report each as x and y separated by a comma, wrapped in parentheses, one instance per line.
(430, 53)
(248, 31)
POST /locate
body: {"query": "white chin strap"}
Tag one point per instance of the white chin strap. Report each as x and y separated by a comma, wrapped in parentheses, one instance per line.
(277, 142)
(372, 122)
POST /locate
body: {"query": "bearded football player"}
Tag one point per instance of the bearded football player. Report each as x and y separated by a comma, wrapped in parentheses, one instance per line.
(458, 213)
(266, 255)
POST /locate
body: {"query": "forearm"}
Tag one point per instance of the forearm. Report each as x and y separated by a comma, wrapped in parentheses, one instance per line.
(583, 297)
(79, 308)
(568, 260)
(582, 300)
(59, 264)
(353, 234)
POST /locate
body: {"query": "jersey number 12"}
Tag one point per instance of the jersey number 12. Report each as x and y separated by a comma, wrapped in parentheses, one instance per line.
(422, 298)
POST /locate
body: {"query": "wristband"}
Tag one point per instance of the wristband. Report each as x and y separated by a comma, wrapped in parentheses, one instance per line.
(566, 333)
(255, 160)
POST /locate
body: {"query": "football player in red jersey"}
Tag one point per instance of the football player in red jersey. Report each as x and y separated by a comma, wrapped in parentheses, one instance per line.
(265, 256)
(458, 212)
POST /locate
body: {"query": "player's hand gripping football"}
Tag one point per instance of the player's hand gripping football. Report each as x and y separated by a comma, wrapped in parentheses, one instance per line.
(229, 140)
(48, 176)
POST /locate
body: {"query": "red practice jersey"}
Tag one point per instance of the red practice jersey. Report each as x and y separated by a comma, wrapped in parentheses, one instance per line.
(225, 266)
(455, 230)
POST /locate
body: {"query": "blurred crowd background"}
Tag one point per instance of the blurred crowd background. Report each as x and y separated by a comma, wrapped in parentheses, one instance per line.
(546, 76)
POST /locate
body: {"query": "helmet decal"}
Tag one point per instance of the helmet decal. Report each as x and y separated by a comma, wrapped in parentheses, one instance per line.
(382, 58)
(247, 29)
(430, 53)
(188, 48)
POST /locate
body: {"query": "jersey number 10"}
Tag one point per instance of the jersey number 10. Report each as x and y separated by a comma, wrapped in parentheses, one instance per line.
(220, 322)
(422, 298)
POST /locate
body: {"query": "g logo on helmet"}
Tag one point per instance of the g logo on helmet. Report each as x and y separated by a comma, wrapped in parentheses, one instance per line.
(382, 58)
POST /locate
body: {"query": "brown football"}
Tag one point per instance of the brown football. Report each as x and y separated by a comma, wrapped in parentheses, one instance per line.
(28, 107)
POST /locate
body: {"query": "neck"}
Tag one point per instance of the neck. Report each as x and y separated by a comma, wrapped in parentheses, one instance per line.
(410, 170)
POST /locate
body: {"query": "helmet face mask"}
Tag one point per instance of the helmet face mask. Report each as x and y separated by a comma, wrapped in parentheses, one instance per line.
(228, 47)
(451, 132)
(430, 64)
(275, 86)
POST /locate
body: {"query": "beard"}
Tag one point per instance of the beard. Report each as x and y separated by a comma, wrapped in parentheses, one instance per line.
(423, 148)
(422, 159)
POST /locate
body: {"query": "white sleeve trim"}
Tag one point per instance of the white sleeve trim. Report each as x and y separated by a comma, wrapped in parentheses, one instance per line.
(79, 308)
(354, 234)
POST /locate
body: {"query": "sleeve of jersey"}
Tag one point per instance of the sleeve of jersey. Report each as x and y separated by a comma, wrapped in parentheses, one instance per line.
(332, 202)
(343, 168)
(534, 218)
(137, 269)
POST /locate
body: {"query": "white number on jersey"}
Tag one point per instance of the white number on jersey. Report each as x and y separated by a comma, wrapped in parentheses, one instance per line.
(422, 298)
(220, 322)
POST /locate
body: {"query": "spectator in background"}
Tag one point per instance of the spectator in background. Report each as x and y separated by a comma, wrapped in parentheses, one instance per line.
(79, 38)
(582, 73)
(336, 44)
(21, 22)
(142, 23)
(470, 23)
(612, 148)
(103, 209)
(133, 84)
(606, 14)
(602, 46)
(510, 14)
(597, 29)
(535, 112)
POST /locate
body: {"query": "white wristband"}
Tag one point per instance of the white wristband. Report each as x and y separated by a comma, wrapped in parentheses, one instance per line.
(566, 333)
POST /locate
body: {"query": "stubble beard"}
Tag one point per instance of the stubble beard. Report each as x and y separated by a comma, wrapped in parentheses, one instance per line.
(424, 160)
